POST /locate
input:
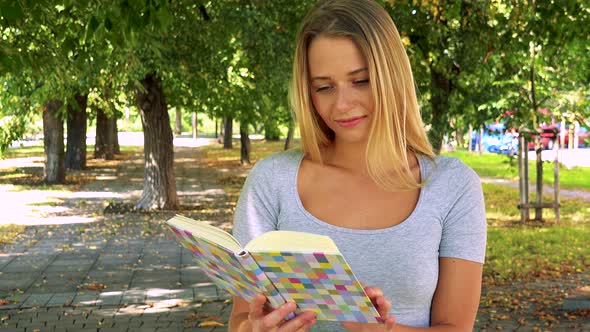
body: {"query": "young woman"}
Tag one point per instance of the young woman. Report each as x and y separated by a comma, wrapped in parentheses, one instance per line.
(411, 224)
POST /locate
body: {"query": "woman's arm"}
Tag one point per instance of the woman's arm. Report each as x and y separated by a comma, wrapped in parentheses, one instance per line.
(457, 295)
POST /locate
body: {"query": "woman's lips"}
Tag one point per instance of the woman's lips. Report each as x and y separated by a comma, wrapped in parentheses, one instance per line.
(351, 122)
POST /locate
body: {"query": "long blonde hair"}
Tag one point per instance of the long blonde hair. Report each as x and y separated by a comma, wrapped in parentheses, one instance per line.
(397, 125)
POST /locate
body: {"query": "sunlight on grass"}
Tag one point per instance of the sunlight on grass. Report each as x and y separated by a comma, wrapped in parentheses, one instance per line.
(527, 252)
(8, 233)
(26, 151)
(502, 201)
(260, 150)
(502, 166)
(534, 250)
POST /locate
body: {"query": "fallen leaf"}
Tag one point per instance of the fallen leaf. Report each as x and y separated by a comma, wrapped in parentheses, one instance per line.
(191, 317)
(94, 286)
(210, 323)
(4, 302)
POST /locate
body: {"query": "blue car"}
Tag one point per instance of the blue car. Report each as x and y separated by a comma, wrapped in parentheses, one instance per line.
(496, 140)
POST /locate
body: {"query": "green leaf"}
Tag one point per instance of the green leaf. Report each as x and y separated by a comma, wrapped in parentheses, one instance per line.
(12, 11)
(93, 24)
(108, 24)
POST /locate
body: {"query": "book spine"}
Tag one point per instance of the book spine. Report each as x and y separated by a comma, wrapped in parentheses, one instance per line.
(272, 294)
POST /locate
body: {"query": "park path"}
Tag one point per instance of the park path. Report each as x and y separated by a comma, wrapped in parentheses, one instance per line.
(81, 269)
(547, 189)
(84, 270)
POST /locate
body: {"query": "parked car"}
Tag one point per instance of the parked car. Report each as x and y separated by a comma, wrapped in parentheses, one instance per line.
(548, 131)
(496, 139)
(549, 135)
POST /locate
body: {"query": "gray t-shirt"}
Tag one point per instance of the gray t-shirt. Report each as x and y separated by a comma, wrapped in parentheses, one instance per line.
(402, 260)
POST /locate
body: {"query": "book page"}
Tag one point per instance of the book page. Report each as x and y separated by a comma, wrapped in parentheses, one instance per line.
(292, 241)
(207, 232)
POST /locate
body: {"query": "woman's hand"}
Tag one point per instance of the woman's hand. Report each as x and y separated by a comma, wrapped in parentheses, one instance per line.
(383, 306)
(263, 320)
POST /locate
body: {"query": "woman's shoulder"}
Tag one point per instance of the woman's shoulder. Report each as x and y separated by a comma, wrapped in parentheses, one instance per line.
(279, 162)
(450, 169)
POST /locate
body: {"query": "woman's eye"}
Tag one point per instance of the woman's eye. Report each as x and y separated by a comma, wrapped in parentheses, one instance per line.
(323, 88)
(361, 82)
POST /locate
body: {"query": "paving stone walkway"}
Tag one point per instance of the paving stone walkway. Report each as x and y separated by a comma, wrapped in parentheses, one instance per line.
(122, 272)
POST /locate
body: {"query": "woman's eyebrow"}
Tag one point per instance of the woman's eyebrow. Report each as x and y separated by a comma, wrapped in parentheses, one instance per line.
(325, 78)
(360, 70)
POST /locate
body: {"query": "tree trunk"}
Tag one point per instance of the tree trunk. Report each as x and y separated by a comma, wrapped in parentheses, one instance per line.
(195, 125)
(244, 144)
(159, 185)
(103, 147)
(460, 137)
(76, 142)
(539, 164)
(114, 136)
(227, 132)
(53, 144)
(216, 128)
(178, 122)
(440, 87)
(290, 134)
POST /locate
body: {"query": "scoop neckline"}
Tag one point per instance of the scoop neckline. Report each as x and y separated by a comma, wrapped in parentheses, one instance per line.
(405, 223)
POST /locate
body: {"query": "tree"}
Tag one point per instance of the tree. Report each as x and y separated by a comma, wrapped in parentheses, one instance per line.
(159, 189)
(53, 143)
(447, 42)
(50, 56)
(538, 43)
(76, 125)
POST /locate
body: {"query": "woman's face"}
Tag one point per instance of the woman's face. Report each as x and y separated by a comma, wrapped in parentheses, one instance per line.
(340, 87)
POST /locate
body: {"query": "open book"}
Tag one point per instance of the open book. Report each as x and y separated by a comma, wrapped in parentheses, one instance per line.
(286, 266)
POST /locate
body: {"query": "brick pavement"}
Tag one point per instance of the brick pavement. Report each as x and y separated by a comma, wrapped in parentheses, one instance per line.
(54, 277)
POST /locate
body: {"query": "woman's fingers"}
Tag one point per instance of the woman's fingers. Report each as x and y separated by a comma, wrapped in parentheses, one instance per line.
(373, 292)
(389, 323)
(381, 303)
(277, 316)
(276, 319)
(300, 323)
(257, 307)
(383, 306)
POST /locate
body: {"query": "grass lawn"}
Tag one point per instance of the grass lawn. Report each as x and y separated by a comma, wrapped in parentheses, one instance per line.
(502, 166)
(10, 232)
(30, 177)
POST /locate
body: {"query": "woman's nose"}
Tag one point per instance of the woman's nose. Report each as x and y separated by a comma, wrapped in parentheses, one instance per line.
(344, 99)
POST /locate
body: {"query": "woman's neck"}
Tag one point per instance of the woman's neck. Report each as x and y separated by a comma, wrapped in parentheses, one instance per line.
(349, 156)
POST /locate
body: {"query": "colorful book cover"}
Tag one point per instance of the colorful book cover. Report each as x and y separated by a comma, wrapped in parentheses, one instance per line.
(321, 282)
(318, 282)
(224, 268)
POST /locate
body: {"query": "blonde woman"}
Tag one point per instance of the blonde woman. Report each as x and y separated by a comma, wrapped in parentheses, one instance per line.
(411, 224)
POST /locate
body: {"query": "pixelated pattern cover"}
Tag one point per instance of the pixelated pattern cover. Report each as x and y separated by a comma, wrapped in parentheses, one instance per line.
(271, 292)
(322, 283)
(221, 265)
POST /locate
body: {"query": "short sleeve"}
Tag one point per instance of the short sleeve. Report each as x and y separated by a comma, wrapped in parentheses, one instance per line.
(464, 231)
(257, 209)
